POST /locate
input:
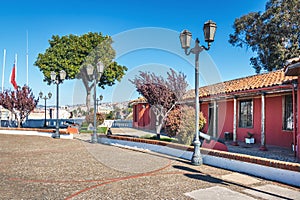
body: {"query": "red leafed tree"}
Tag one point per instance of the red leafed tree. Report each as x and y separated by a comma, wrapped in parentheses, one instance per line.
(161, 93)
(19, 102)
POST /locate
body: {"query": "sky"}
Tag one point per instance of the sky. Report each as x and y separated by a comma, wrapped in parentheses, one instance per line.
(145, 35)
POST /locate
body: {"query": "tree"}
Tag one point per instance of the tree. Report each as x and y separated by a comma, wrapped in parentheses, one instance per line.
(100, 117)
(20, 102)
(162, 94)
(110, 115)
(180, 123)
(74, 53)
(273, 35)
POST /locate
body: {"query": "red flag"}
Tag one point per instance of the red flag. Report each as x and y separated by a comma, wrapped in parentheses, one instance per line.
(13, 77)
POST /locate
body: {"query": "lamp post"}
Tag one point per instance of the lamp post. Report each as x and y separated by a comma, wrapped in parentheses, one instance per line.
(45, 98)
(185, 40)
(57, 79)
(0, 116)
(100, 99)
(92, 71)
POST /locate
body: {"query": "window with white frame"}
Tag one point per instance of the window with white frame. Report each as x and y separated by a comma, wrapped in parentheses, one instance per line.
(288, 112)
(246, 113)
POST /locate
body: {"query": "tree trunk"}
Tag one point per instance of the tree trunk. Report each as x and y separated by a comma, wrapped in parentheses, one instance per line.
(88, 89)
(158, 129)
(88, 100)
(158, 124)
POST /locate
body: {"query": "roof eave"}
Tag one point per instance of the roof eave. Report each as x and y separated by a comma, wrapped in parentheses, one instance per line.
(293, 70)
(252, 92)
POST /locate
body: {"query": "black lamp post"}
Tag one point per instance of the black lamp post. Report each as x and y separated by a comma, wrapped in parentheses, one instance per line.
(185, 39)
(57, 79)
(94, 71)
(45, 98)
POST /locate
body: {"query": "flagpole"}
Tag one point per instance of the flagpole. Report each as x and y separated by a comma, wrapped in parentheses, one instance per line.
(27, 57)
(3, 69)
(16, 65)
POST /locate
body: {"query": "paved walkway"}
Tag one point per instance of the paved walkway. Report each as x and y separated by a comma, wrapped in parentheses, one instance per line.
(33, 167)
(273, 152)
(132, 132)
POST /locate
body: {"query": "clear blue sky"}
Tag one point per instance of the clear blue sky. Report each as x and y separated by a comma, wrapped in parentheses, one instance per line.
(135, 27)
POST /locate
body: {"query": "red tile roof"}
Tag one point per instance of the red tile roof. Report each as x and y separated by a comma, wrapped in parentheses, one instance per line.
(258, 81)
(138, 100)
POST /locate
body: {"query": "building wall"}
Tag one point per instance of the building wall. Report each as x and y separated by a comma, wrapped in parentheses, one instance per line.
(273, 124)
(273, 116)
(274, 121)
(256, 128)
(142, 116)
(225, 118)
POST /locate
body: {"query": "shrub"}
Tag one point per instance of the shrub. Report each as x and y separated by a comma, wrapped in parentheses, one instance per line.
(100, 117)
(173, 122)
(180, 123)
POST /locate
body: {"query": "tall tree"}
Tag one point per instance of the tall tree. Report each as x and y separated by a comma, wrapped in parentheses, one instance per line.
(162, 94)
(19, 102)
(73, 53)
(273, 35)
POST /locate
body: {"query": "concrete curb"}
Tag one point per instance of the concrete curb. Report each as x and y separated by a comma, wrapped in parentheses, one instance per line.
(36, 132)
(225, 160)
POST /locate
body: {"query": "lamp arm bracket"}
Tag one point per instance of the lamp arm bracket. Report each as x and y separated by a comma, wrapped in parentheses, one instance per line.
(206, 48)
(198, 49)
(187, 52)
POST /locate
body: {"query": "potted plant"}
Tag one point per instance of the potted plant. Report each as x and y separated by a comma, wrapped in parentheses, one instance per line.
(250, 139)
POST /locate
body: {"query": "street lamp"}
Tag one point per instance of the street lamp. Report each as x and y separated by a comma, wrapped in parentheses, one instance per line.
(95, 71)
(209, 29)
(45, 98)
(57, 79)
(100, 99)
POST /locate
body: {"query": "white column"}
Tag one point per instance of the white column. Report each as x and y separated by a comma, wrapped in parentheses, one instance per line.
(263, 121)
(234, 119)
(215, 128)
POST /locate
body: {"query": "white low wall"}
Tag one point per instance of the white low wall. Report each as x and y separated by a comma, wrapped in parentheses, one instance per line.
(37, 133)
(270, 173)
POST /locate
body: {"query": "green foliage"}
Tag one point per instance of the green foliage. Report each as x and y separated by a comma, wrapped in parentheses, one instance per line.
(102, 130)
(74, 53)
(274, 36)
(162, 138)
(113, 72)
(110, 115)
(250, 135)
(70, 52)
(180, 123)
(84, 125)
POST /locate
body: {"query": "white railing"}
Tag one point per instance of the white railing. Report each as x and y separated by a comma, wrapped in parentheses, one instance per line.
(122, 124)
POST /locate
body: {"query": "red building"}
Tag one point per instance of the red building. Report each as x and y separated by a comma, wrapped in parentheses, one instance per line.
(142, 114)
(263, 105)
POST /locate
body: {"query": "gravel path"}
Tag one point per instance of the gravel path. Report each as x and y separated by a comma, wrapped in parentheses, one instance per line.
(33, 167)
